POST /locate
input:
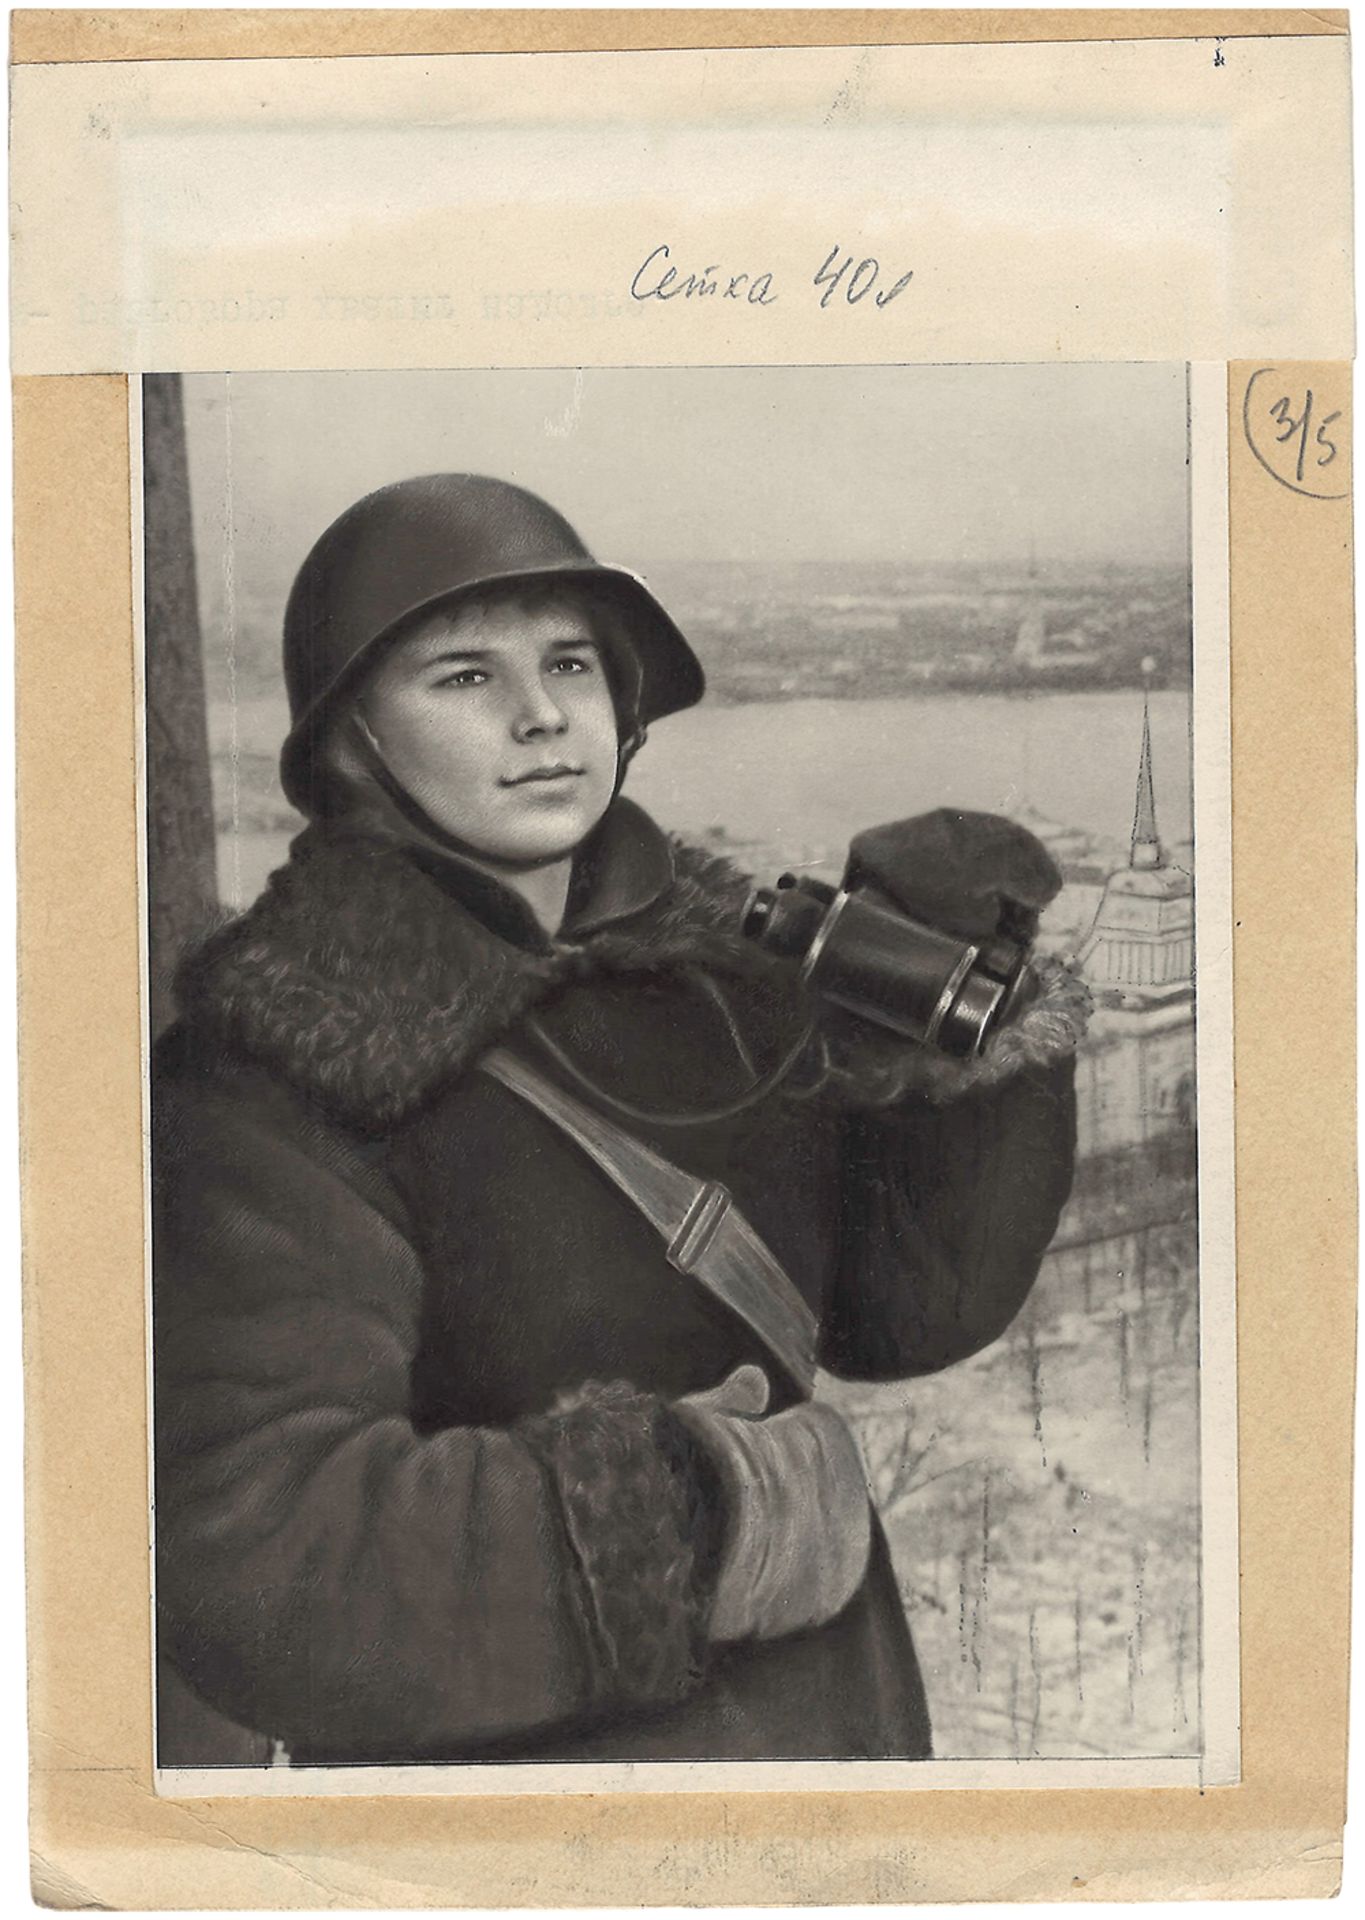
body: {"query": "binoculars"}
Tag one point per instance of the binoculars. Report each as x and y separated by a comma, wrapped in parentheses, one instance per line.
(857, 948)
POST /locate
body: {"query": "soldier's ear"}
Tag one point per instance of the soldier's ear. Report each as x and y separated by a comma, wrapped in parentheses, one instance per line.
(343, 750)
(341, 766)
(631, 744)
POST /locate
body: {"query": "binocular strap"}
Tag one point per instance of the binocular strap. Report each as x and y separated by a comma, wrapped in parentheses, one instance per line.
(704, 1233)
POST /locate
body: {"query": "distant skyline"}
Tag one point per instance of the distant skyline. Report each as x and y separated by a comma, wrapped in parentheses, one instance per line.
(656, 466)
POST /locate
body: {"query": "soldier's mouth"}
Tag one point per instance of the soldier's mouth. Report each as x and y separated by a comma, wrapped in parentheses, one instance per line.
(560, 771)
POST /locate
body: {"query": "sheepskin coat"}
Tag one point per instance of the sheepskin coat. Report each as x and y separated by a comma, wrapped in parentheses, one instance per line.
(420, 1495)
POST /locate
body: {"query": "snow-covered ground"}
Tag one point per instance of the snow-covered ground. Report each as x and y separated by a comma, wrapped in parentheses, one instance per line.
(1042, 1505)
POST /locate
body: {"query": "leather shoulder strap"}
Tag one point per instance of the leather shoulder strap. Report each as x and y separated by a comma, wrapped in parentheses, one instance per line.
(705, 1235)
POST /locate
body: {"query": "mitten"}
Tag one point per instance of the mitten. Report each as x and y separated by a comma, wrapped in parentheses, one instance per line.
(971, 874)
(799, 1527)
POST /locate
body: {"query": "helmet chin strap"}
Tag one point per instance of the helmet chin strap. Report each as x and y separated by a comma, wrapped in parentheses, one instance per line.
(417, 817)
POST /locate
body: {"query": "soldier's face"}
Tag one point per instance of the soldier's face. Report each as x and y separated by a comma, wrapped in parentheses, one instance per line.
(498, 720)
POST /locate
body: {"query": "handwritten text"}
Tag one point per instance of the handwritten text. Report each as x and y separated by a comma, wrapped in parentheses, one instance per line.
(657, 278)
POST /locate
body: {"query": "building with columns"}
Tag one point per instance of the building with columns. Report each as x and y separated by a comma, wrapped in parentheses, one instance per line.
(1129, 1229)
(1137, 1070)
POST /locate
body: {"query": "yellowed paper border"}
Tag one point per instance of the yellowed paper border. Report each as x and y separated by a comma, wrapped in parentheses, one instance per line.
(156, 33)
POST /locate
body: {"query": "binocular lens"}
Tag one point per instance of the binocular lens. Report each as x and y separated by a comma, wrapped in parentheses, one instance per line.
(929, 986)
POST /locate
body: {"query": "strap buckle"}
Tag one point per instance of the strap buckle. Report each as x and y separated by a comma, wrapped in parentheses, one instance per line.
(700, 1225)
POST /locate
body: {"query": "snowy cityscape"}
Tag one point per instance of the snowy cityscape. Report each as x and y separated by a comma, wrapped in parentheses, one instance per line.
(885, 630)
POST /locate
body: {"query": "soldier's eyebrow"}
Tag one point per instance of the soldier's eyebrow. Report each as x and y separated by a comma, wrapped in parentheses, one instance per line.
(480, 656)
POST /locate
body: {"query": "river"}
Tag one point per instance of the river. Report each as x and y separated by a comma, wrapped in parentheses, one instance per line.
(792, 780)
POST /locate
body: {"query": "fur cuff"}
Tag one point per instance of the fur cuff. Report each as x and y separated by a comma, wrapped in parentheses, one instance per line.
(1049, 1031)
(639, 1511)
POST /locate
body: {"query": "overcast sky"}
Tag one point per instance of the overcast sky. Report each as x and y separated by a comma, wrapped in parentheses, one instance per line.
(652, 465)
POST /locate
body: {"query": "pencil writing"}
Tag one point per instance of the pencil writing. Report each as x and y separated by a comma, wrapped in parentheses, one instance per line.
(657, 278)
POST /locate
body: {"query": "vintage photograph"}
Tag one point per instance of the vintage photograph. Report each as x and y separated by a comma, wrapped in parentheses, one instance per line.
(671, 980)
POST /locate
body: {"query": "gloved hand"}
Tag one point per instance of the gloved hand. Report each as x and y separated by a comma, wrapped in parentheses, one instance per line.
(960, 872)
(799, 1531)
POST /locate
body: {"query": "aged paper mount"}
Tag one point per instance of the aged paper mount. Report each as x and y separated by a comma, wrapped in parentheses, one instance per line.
(1278, 1828)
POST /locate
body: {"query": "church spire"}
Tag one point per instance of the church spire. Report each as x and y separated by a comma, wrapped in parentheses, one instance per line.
(1146, 847)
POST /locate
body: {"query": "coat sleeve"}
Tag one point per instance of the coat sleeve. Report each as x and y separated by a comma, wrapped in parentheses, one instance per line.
(327, 1574)
(948, 1209)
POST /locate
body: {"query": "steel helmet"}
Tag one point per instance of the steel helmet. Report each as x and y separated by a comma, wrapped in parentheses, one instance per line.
(429, 542)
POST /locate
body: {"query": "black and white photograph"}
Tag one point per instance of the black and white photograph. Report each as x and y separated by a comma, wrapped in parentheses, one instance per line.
(685, 1117)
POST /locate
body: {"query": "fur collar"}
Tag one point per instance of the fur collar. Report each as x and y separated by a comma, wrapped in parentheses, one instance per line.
(365, 981)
